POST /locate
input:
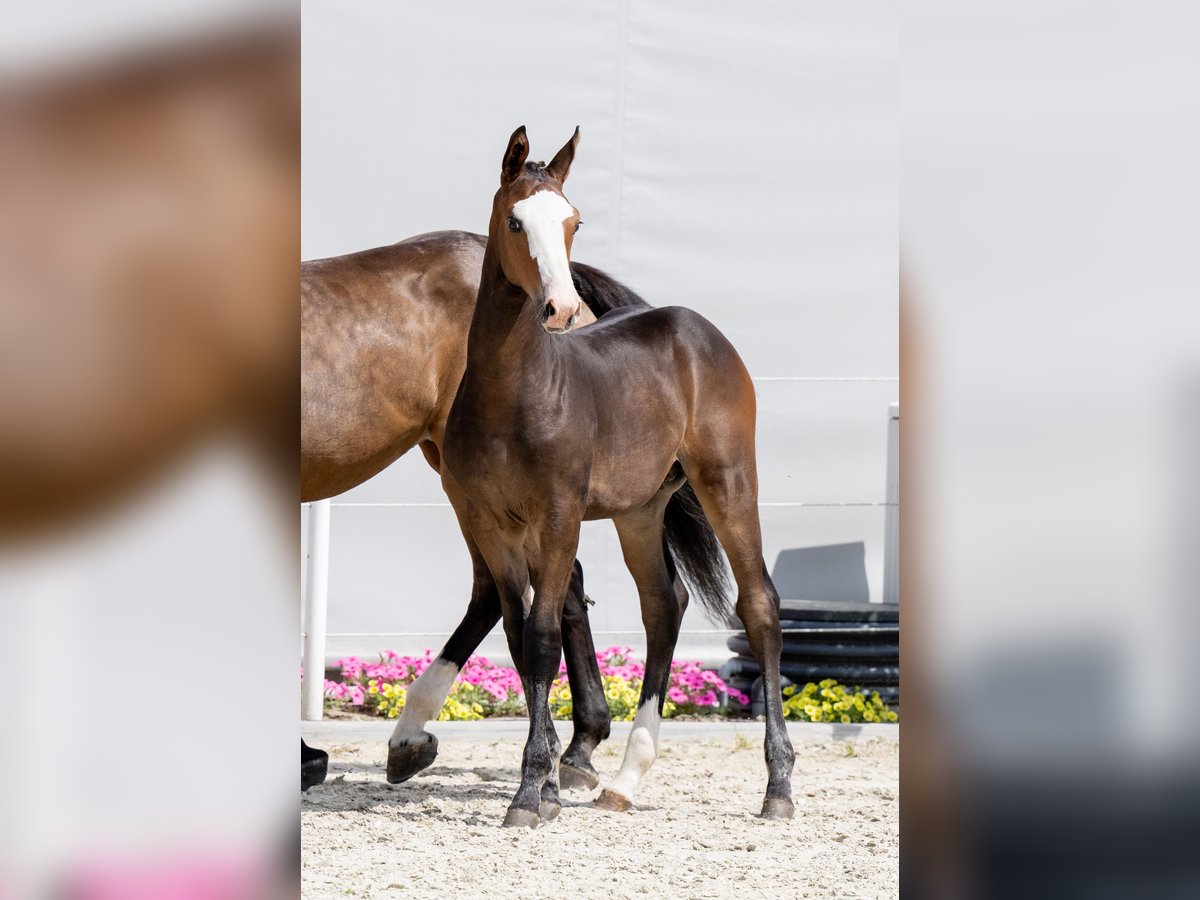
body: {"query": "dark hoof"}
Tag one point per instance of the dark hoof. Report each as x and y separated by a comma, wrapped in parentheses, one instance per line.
(612, 801)
(777, 808)
(314, 766)
(521, 818)
(407, 759)
(576, 776)
(548, 810)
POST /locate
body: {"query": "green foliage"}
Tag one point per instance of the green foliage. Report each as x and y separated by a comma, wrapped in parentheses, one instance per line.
(828, 701)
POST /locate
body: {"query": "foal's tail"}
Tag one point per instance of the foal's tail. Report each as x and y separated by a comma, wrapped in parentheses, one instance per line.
(692, 546)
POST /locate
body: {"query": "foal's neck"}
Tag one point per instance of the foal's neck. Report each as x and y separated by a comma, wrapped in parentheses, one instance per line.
(506, 338)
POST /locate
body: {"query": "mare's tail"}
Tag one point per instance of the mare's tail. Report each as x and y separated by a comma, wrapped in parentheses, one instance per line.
(693, 547)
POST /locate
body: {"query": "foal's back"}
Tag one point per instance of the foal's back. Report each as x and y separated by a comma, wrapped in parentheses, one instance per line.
(659, 381)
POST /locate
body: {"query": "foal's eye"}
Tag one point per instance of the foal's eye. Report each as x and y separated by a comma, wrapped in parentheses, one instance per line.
(513, 225)
(577, 224)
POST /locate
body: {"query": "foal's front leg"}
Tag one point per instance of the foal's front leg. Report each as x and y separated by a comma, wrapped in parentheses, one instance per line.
(540, 645)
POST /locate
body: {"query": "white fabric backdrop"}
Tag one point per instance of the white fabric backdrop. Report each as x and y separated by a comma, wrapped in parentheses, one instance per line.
(739, 159)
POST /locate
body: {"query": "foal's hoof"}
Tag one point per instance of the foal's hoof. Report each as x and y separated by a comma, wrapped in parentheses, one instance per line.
(521, 818)
(548, 810)
(314, 766)
(407, 759)
(777, 808)
(613, 801)
(577, 775)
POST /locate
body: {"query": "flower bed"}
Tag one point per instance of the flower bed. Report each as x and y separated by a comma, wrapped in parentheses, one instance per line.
(828, 701)
(484, 689)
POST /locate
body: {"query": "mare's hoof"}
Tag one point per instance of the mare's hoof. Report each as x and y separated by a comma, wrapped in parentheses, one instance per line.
(572, 775)
(548, 810)
(777, 808)
(407, 759)
(612, 801)
(521, 818)
(314, 766)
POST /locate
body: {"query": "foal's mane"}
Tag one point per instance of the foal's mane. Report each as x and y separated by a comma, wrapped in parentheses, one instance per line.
(601, 292)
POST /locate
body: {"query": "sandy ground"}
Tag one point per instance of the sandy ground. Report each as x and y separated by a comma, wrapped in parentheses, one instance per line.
(692, 832)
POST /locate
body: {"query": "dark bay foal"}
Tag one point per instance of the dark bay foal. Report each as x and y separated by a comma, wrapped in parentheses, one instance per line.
(634, 419)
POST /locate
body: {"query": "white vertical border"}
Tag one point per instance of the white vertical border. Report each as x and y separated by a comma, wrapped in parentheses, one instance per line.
(316, 607)
(891, 527)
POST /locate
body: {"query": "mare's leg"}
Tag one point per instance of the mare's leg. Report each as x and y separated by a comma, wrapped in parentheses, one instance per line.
(538, 642)
(589, 707)
(314, 764)
(729, 496)
(411, 748)
(663, 601)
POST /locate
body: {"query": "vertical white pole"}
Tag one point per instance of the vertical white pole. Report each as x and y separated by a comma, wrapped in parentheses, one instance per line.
(891, 527)
(316, 600)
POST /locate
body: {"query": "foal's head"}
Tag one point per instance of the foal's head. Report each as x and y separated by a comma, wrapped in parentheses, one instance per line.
(532, 228)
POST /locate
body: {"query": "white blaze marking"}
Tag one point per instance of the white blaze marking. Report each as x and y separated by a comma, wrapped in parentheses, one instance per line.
(424, 700)
(640, 751)
(527, 599)
(541, 216)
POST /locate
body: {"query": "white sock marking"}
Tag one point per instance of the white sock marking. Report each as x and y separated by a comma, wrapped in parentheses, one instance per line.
(424, 700)
(541, 216)
(640, 751)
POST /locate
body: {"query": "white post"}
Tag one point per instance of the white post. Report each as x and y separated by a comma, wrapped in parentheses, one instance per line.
(316, 601)
(891, 526)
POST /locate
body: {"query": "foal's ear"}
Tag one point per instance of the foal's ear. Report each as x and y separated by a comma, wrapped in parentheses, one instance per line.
(560, 166)
(514, 156)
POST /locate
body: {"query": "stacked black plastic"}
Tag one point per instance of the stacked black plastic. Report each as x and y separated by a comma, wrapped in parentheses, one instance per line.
(857, 644)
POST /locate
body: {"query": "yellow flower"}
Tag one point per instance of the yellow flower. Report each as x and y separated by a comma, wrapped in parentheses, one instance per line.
(845, 719)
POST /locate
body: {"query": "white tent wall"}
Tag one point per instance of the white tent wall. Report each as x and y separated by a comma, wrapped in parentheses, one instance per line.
(739, 159)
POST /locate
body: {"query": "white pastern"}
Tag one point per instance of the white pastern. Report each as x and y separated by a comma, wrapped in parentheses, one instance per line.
(541, 216)
(640, 751)
(424, 700)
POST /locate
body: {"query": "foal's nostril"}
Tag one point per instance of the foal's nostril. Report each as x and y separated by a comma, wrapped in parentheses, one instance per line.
(548, 311)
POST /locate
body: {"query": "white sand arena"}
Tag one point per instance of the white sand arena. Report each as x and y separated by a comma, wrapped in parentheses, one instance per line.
(691, 833)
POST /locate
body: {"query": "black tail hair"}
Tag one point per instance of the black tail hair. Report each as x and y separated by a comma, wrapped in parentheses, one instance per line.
(602, 293)
(694, 548)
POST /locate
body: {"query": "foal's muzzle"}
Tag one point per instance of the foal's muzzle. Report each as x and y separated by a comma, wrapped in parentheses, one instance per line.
(559, 315)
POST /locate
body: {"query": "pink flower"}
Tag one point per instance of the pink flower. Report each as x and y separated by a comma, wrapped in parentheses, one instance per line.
(675, 695)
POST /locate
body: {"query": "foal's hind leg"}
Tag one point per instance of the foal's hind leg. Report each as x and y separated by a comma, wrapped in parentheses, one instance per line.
(729, 497)
(663, 602)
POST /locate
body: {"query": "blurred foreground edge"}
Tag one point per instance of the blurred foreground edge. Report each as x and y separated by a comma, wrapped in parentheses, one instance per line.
(149, 238)
(148, 244)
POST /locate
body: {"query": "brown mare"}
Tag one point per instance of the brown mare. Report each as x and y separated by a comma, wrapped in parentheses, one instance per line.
(383, 348)
(616, 421)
